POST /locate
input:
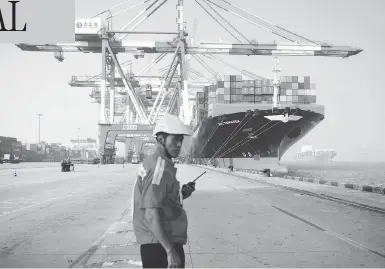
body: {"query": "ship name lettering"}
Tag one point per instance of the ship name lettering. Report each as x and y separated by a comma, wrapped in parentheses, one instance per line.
(229, 122)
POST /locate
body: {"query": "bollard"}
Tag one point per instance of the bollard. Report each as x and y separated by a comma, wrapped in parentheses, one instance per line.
(15, 174)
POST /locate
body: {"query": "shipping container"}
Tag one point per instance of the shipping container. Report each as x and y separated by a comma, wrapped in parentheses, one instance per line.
(282, 91)
(313, 92)
(271, 82)
(313, 99)
(301, 79)
(294, 79)
(227, 91)
(227, 97)
(270, 90)
(282, 79)
(227, 84)
(295, 98)
(233, 84)
(282, 98)
(238, 85)
(307, 92)
(301, 92)
(233, 78)
(301, 86)
(233, 91)
(220, 98)
(301, 99)
(306, 85)
(307, 79)
(238, 91)
(220, 84)
(289, 99)
(251, 90)
(238, 78)
(227, 78)
(258, 83)
(289, 92)
(258, 91)
(294, 86)
(312, 86)
(289, 79)
(257, 98)
(295, 92)
(267, 98)
(265, 83)
(220, 91)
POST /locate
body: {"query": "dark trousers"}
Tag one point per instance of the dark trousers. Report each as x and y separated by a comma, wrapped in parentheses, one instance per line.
(155, 256)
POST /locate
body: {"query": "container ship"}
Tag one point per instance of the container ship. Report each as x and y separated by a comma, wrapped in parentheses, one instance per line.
(235, 122)
(312, 155)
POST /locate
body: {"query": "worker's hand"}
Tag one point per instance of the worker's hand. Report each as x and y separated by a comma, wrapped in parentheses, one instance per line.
(173, 259)
(188, 189)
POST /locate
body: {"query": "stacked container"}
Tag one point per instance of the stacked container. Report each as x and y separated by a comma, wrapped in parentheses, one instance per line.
(220, 92)
(297, 90)
(232, 88)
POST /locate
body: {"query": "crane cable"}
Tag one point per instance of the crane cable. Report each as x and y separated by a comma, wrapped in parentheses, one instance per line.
(248, 41)
(258, 24)
(208, 12)
(221, 119)
(266, 24)
(252, 134)
(215, 74)
(231, 136)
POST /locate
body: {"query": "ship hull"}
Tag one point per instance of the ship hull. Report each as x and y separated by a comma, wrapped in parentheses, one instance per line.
(249, 140)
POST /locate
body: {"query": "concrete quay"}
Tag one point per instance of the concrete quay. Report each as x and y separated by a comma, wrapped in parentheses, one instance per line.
(82, 219)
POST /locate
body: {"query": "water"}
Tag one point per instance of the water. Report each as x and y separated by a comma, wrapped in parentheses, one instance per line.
(372, 174)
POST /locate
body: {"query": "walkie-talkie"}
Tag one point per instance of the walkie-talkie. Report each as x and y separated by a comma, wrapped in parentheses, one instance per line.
(193, 182)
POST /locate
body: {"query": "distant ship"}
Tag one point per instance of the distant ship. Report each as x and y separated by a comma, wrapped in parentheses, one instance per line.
(309, 154)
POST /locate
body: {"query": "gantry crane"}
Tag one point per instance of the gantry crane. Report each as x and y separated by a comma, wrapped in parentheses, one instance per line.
(96, 35)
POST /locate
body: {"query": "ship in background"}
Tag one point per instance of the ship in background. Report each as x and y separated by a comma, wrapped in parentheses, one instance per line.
(312, 155)
(235, 123)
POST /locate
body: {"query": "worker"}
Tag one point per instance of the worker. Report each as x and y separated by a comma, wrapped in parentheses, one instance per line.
(159, 220)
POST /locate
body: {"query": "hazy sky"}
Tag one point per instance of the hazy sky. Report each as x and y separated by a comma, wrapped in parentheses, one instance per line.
(352, 89)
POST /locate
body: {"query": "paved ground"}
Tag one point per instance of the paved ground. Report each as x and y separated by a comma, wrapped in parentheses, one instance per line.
(82, 219)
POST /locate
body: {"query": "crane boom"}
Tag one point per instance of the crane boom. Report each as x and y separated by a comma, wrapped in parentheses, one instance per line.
(203, 48)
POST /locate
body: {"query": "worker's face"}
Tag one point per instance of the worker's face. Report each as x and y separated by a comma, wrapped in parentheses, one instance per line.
(173, 144)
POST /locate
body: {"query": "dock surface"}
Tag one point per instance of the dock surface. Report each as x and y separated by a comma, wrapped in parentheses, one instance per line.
(82, 219)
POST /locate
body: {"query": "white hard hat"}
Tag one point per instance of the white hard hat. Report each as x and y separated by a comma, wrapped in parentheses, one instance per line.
(171, 124)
